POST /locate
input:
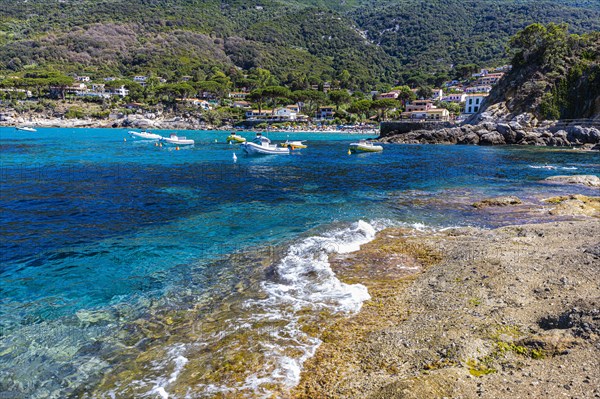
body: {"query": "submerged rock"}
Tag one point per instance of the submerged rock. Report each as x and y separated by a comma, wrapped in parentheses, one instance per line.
(499, 201)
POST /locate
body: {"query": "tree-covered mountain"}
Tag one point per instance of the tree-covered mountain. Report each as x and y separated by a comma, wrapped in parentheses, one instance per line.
(300, 42)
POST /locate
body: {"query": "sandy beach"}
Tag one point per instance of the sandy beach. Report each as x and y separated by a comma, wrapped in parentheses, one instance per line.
(470, 313)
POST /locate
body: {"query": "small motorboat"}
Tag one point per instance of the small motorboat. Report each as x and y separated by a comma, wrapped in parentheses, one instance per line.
(145, 135)
(177, 140)
(25, 128)
(262, 145)
(294, 145)
(235, 138)
(365, 146)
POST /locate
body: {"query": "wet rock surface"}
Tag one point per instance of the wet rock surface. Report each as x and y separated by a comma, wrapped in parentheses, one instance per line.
(504, 313)
(585, 180)
(498, 201)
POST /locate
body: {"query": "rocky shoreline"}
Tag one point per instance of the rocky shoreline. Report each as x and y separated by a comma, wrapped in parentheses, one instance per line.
(470, 313)
(496, 126)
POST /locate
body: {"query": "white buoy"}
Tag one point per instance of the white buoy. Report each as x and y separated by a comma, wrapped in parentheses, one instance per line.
(231, 143)
(234, 157)
(216, 141)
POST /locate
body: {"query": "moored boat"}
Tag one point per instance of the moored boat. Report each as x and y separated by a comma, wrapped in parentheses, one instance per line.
(262, 145)
(145, 135)
(177, 140)
(294, 145)
(235, 138)
(365, 146)
(25, 128)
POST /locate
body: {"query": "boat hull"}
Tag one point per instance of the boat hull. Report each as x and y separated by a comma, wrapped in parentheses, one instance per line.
(236, 139)
(145, 136)
(170, 141)
(365, 148)
(294, 145)
(256, 149)
(26, 129)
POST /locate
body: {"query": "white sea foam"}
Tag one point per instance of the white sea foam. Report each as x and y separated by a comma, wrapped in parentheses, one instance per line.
(303, 283)
(174, 356)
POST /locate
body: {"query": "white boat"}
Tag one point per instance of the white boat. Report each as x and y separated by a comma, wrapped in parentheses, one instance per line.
(365, 146)
(177, 140)
(145, 135)
(25, 128)
(294, 145)
(262, 145)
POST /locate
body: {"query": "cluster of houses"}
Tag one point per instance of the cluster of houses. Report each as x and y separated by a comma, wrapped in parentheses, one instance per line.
(469, 95)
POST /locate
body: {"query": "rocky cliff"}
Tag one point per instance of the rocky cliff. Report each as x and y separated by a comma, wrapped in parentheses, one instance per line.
(551, 96)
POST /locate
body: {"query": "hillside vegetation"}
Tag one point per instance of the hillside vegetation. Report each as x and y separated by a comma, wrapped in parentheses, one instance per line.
(555, 75)
(300, 42)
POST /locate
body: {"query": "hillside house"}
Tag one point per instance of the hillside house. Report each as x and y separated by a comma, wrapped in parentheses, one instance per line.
(478, 89)
(438, 114)
(325, 113)
(140, 79)
(241, 104)
(392, 95)
(419, 105)
(473, 102)
(195, 102)
(490, 79)
(454, 98)
(238, 95)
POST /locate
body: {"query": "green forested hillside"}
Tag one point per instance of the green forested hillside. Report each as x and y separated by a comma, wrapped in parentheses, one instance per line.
(301, 42)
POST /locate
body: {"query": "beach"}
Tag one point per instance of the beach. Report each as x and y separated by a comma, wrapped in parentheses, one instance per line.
(468, 313)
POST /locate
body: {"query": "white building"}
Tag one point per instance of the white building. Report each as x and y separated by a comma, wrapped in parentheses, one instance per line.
(141, 80)
(120, 91)
(325, 113)
(455, 98)
(478, 89)
(473, 102)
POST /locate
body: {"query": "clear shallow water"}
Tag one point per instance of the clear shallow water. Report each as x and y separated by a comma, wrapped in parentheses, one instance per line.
(119, 255)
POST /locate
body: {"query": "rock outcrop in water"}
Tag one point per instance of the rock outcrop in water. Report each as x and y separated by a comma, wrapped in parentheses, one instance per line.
(550, 97)
(497, 126)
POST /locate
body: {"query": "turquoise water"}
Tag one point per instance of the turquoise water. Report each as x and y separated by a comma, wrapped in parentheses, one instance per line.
(99, 233)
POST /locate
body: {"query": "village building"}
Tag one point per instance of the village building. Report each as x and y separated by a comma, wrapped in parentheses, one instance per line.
(473, 102)
(454, 98)
(241, 104)
(325, 113)
(238, 95)
(478, 89)
(419, 105)
(490, 79)
(195, 102)
(392, 95)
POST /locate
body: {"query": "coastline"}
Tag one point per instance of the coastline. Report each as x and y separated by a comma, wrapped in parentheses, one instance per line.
(468, 313)
(176, 123)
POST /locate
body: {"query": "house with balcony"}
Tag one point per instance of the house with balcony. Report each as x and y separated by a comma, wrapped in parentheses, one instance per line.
(419, 105)
(438, 114)
(325, 113)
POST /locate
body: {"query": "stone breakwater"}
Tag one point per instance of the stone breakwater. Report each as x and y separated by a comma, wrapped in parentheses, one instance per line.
(496, 126)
